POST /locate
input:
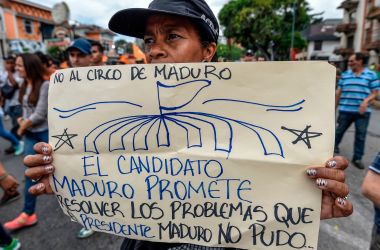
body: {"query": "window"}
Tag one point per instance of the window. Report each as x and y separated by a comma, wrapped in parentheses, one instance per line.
(28, 26)
(317, 45)
(350, 42)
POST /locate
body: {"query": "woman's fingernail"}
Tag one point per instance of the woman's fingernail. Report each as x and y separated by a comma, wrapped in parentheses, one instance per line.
(46, 158)
(331, 164)
(321, 182)
(311, 172)
(49, 169)
(40, 187)
(45, 150)
(341, 201)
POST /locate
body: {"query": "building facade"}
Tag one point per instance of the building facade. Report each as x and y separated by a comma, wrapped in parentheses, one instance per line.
(372, 32)
(95, 33)
(322, 40)
(26, 25)
(360, 30)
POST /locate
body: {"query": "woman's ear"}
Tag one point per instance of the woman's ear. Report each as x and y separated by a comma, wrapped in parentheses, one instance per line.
(209, 52)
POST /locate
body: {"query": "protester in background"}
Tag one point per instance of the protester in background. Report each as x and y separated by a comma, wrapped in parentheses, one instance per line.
(17, 145)
(80, 55)
(33, 125)
(7, 242)
(249, 57)
(9, 185)
(10, 82)
(55, 64)
(357, 87)
(174, 32)
(97, 54)
(261, 58)
(371, 190)
(47, 62)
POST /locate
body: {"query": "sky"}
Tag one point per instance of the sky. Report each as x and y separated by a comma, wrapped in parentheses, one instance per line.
(99, 11)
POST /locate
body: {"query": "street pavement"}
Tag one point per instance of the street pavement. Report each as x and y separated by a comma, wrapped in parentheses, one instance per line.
(55, 230)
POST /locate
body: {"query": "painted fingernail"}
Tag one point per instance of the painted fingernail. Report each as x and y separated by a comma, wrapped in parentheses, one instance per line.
(40, 187)
(311, 172)
(321, 182)
(46, 158)
(341, 201)
(331, 164)
(45, 149)
(49, 169)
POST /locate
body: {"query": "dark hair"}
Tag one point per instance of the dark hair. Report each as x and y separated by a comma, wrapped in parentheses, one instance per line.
(360, 57)
(9, 58)
(55, 62)
(44, 58)
(99, 45)
(34, 72)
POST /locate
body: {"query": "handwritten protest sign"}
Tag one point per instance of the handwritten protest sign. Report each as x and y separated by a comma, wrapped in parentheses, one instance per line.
(209, 154)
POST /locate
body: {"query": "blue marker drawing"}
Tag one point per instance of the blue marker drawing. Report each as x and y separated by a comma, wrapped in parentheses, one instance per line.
(284, 108)
(90, 106)
(132, 132)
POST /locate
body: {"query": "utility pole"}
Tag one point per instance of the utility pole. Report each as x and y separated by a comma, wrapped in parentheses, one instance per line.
(293, 27)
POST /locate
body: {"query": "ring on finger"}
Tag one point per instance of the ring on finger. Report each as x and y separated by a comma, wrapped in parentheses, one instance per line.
(36, 180)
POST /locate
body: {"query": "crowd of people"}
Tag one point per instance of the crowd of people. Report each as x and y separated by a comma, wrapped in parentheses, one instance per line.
(171, 35)
(24, 95)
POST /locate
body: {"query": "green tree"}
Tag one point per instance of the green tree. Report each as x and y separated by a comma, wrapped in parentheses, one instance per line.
(258, 23)
(57, 53)
(231, 53)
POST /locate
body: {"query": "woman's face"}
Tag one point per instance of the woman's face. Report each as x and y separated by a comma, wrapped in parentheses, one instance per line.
(20, 67)
(172, 39)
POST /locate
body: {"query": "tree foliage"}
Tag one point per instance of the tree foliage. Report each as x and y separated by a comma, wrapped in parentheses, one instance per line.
(231, 53)
(56, 52)
(258, 23)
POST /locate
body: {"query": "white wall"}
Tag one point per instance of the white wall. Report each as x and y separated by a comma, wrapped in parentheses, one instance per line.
(328, 48)
(360, 22)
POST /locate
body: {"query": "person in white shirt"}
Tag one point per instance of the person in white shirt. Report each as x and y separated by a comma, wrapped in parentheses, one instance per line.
(10, 83)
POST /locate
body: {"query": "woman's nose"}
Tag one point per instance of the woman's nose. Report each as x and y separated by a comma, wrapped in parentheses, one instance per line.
(156, 51)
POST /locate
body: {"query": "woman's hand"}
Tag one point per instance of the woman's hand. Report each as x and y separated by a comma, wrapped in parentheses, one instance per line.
(40, 168)
(24, 124)
(330, 179)
(8, 183)
(19, 120)
(20, 131)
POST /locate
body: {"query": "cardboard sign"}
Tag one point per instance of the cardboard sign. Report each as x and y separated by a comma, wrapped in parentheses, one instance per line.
(211, 154)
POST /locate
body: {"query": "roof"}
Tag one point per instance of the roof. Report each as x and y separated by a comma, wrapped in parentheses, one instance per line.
(324, 31)
(36, 5)
(93, 28)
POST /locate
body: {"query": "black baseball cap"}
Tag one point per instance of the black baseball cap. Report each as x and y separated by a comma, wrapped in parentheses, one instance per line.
(132, 22)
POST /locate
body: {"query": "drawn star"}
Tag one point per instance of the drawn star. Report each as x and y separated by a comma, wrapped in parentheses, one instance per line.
(63, 139)
(303, 135)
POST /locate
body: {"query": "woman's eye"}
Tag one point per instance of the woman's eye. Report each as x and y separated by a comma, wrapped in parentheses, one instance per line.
(173, 36)
(148, 40)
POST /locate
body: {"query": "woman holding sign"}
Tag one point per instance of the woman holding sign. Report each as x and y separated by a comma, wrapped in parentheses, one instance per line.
(182, 31)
